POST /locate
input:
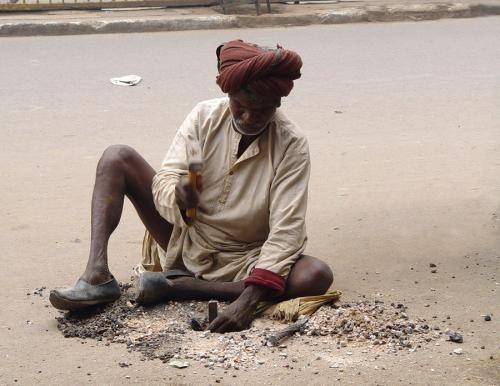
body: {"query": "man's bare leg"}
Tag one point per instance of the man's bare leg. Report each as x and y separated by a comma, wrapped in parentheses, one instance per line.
(121, 172)
(309, 276)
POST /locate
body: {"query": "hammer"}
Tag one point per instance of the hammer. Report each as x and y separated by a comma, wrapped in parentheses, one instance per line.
(195, 164)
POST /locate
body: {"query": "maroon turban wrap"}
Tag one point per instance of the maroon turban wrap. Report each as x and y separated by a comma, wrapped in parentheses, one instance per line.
(268, 72)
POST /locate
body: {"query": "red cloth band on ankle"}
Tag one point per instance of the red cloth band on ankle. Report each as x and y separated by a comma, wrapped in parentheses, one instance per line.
(266, 278)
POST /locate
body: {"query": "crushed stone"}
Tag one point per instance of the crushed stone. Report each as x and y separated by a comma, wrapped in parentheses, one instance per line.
(165, 332)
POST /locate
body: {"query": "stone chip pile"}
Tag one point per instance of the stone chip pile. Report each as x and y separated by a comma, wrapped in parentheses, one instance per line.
(164, 332)
(371, 323)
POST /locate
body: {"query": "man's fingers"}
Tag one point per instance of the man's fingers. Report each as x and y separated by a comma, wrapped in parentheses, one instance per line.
(221, 324)
(190, 191)
(186, 195)
(216, 323)
(191, 197)
(225, 327)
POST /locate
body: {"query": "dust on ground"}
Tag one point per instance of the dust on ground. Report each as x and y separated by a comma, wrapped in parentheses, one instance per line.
(357, 330)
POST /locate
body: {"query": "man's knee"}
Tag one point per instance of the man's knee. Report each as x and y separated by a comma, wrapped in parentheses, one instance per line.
(320, 274)
(116, 156)
(310, 276)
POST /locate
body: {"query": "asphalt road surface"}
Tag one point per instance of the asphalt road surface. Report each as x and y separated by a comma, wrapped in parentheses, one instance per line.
(403, 122)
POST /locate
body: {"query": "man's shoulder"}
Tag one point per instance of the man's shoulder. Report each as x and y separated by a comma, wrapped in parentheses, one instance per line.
(290, 134)
(212, 106)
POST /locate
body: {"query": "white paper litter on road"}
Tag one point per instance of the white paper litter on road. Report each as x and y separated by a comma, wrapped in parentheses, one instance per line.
(127, 80)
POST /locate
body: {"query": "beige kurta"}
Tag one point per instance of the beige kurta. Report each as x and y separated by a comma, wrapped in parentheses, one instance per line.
(252, 212)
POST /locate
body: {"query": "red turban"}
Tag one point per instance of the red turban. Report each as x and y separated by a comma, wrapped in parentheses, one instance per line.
(265, 71)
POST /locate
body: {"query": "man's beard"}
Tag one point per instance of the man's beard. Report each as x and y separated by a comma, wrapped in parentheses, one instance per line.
(238, 125)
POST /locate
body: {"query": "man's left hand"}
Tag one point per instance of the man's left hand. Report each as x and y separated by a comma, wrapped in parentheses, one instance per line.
(240, 313)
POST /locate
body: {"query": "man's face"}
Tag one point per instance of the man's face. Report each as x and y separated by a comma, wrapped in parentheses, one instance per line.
(252, 113)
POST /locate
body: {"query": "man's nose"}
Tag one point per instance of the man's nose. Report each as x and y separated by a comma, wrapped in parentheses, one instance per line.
(248, 117)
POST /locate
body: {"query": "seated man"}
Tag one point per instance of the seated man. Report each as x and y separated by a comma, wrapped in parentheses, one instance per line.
(247, 240)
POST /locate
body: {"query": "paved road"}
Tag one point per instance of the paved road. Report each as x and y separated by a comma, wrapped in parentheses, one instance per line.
(403, 121)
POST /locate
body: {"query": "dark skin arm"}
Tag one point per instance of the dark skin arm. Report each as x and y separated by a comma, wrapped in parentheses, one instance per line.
(240, 313)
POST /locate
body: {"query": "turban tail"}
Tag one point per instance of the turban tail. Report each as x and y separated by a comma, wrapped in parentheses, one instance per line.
(265, 71)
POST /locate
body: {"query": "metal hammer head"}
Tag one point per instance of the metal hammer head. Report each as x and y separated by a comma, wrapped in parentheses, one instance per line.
(193, 154)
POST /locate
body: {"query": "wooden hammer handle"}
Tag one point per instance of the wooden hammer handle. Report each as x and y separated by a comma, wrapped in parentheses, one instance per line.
(193, 176)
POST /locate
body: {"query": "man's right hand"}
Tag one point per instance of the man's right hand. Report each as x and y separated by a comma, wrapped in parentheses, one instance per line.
(185, 195)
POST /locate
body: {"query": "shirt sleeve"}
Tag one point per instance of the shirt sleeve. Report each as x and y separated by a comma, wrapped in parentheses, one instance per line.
(287, 212)
(173, 167)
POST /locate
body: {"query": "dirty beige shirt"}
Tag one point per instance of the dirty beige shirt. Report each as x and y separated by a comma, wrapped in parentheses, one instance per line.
(253, 208)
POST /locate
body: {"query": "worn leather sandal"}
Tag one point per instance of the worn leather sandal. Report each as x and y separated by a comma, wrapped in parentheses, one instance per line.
(84, 295)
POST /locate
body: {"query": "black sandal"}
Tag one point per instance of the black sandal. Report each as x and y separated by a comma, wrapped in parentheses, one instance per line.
(84, 295)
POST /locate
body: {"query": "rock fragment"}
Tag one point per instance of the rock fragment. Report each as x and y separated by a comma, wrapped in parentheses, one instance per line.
(455, 336)
(178, 364)
(163, 332)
